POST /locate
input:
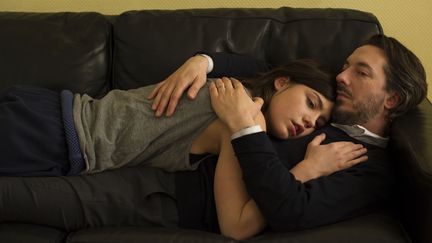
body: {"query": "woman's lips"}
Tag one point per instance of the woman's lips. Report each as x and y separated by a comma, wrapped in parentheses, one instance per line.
(293, 131)
(296, 129)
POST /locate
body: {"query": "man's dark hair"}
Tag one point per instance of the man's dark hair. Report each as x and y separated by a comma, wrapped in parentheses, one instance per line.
(404, 72)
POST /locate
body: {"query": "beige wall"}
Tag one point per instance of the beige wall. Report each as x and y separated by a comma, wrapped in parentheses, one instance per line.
(407, 20)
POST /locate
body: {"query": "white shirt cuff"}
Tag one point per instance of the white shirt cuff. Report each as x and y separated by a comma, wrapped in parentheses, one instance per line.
(210, 62)
(247, 131)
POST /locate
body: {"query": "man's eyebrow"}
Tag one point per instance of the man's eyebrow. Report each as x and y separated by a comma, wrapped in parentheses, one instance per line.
(367, 66)
(320, 103)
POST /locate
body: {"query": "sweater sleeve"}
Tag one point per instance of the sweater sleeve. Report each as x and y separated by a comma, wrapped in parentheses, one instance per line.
(235, 65)
(287, 204)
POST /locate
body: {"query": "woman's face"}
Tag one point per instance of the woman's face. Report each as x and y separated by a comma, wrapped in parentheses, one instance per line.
(296, 110)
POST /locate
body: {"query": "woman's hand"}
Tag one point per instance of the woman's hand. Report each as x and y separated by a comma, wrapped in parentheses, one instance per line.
(322, 160)
(191, 75)
(233, 105)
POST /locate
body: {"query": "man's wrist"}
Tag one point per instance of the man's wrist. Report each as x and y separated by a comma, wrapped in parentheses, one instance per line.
(246, 131)
(210, 63)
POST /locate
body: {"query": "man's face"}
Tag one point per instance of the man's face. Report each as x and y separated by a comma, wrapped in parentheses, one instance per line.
(360, 87)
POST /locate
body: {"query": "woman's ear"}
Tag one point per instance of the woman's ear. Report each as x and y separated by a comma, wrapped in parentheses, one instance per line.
(281, 82)
(392, 100)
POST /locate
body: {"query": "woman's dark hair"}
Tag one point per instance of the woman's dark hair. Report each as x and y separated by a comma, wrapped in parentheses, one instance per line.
(302, 71)
(404, 73)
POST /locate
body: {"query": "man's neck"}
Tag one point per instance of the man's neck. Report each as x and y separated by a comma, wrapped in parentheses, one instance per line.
(377, 125)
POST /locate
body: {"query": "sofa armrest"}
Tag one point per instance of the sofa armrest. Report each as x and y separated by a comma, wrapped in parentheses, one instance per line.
(410, 146)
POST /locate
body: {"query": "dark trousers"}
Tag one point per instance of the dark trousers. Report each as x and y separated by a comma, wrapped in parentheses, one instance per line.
(141, 196)
(32, 135)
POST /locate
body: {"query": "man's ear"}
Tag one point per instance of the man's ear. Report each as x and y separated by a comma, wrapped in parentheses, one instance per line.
(392, 100)
(281, 82)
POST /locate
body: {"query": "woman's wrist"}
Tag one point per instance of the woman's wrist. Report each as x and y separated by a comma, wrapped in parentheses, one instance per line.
(238, 125)
(246, 131)
(302, 172)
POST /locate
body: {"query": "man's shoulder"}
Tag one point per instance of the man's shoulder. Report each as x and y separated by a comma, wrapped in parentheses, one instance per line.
(335, 134)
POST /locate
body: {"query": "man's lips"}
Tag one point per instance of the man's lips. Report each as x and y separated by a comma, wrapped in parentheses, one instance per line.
(341, 94)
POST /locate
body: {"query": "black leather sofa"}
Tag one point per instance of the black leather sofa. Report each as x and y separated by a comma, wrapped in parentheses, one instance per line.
(94, 53)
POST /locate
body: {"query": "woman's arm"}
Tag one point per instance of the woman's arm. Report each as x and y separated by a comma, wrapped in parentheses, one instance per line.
(238, 215)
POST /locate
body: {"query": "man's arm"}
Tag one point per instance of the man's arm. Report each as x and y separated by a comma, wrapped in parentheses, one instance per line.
(235, 65)
(191, 76)
(288, 204)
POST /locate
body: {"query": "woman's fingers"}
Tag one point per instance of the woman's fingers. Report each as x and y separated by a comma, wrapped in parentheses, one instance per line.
(355, 161)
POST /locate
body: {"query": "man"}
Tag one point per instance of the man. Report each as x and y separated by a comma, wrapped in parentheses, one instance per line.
(379, 81)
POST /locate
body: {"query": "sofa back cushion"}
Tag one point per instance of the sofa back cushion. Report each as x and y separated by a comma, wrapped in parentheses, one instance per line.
(55, 50)
(150, 44)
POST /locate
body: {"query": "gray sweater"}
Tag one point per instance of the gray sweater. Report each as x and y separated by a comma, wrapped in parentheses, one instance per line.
(120, 130)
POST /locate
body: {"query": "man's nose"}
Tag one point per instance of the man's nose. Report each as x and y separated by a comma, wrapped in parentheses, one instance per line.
(342, 77)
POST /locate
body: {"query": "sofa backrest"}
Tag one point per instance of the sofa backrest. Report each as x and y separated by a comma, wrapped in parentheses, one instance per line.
(93, 53)
(55, 50)
(150, 44)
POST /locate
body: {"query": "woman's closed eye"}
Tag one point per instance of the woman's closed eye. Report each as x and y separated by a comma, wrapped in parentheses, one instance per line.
(311, 104)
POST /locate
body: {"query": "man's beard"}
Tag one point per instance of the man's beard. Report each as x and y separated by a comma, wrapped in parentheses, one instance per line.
(362, 111)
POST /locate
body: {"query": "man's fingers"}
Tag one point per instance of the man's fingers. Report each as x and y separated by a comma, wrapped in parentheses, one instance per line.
(196, 86)
(174, 98)
(171, 106)
(158, 97)
(164, 99)
(155, 90)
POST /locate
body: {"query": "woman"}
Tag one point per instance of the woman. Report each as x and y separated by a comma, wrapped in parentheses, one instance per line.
(120, 129)
(295, 105)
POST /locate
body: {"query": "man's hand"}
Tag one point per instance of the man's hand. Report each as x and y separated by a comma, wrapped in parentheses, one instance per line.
(233, 105)
(192, 74)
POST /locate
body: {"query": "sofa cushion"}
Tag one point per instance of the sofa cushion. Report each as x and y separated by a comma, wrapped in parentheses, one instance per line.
(55, 50)
(138, 235)
(380, 227)
(30, 233)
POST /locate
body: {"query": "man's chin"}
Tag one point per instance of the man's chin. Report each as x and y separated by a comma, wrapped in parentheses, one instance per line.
(342, 101)
(343, 108)
(344, 116)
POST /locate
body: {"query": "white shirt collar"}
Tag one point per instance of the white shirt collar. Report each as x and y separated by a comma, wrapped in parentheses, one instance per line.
(362, 134)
